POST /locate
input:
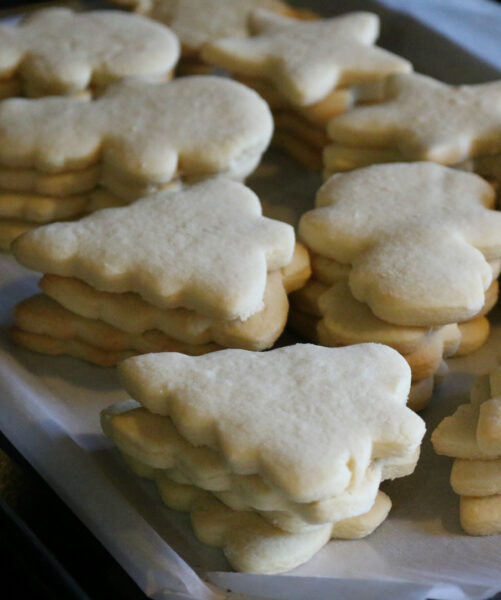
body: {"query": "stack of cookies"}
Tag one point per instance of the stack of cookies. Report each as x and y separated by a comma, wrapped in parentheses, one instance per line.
(190, 270)
(272, 453)
(56, 52)
(406, 255)
(62, 157)
(421, 118)
(472, 436)
(197, 22)
(308, 71)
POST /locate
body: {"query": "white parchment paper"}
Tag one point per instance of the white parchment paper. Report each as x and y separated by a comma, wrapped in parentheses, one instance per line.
(49, 409)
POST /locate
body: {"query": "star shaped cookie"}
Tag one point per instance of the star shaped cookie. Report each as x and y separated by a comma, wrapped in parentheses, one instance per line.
(425, 119)
(418, 237)
(57, 51)
(141, 132)
(305, 60)
(308, 419)
(206, 247)
(199, 21)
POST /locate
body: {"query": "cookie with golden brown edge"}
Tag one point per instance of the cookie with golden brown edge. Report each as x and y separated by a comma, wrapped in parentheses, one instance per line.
(58, 52)
(200, 395)
(59, 153)
(250, 543)
(421, 118)
(42, 325)
(347, 321)
(205, 247)
(310, 71)
(225, 133)
(383, 269)
(130, 313)
(426, 119)
(343, 320)
(212, 425)
(418, 238)
(20, 212)
(210, 272)
(104, 328)
(472, 436)
(155, 442)
(335, 52)
(197, 22)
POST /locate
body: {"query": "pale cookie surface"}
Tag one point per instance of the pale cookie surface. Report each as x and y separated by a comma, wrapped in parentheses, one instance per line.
(350, 321)
(183, 328)
(340, 157)
(425, 119)
(56, 51)
(141, 130)
(74, 347)
(41, 316)
(456, 435)
(346, 321)
(480, 516)
(232, 401)
(476, 477)
(306, 60)
(424, 361)
(355, 504)
(206, 248)
(472, 432)
(489, 426)
(250, 492)
(317, 114)
(473, 335)
(41, 209)
(154, 441)
(329, 271)
(199, 21)
(60, 184)
(472, 435)
(130, 313)
(418, 237)
(250, 543)
(33, 208)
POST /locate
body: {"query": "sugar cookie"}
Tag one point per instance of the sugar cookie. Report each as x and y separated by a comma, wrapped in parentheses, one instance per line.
(310, 71)
(58, 52)
(472, 435)
(282, 460)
